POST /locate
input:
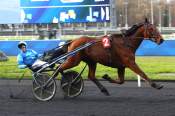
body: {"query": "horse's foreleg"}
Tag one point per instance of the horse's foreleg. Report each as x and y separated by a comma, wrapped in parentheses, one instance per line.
(134, 67)
(91, 76)
(120, 80)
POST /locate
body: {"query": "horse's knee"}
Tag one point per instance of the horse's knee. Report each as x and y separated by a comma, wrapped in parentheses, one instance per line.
(91, 78)
(121, 82)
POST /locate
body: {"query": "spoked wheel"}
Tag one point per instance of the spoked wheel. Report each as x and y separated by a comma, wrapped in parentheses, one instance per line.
(72, 84)
(43, 88)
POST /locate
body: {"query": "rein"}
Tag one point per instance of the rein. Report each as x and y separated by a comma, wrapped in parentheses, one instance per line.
(67, 43)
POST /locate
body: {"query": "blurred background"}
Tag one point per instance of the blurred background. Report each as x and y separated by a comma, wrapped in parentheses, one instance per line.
(51, 19)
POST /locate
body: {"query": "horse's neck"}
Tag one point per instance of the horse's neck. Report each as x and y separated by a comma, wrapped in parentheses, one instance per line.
(135, 40)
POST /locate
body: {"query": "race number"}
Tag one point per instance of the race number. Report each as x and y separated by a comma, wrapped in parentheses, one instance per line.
(106, 42)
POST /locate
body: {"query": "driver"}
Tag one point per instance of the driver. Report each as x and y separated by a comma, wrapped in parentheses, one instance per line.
(28, 58)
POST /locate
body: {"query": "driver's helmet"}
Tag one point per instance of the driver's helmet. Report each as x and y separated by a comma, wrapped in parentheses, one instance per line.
(21, 43)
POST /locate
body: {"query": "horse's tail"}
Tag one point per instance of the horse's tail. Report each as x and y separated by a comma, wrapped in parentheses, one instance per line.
(66, 45)
(68, 42)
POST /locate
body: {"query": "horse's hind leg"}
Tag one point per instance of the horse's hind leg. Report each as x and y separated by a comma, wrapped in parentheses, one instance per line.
(70, 63)
(91, 76)
(120, 80)
(134, 67)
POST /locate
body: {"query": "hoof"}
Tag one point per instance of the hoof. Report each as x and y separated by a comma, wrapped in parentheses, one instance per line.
(106, 77)
(156, 86)
(105, 92)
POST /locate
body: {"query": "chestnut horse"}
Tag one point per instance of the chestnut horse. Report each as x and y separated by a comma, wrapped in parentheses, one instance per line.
(120, 55)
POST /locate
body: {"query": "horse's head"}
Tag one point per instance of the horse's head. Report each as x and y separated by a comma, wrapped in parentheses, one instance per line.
(151, 32)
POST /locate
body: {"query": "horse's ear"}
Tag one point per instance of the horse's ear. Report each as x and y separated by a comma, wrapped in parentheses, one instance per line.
(146, 20)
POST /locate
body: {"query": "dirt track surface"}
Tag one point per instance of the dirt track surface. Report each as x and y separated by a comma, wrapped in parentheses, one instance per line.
(125, 100)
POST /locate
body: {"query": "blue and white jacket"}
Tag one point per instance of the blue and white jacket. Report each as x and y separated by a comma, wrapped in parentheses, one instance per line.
(26, 59)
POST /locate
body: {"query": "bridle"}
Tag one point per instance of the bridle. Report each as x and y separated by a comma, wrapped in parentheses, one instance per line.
(146, 34)
(149, 35)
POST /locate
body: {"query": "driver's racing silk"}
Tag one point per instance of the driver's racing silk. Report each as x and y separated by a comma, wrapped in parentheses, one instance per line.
(27, 58)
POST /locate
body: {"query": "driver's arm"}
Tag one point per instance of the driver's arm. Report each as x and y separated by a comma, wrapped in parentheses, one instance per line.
(21, 64)
(36, 54)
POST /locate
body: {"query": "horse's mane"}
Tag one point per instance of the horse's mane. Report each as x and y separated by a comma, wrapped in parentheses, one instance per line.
(133, 29)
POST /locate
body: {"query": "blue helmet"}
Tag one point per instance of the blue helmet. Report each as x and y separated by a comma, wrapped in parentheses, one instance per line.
(21, 43)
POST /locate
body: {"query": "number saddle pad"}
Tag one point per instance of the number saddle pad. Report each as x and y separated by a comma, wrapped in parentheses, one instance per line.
(106, 42)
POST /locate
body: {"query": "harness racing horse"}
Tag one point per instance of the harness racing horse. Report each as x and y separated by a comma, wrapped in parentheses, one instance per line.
(120, 55)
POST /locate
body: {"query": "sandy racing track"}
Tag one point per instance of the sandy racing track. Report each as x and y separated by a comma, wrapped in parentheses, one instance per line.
(125, 100)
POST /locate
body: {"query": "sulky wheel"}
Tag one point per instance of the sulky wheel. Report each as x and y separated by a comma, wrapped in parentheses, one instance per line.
(43, 88)
(72, 84)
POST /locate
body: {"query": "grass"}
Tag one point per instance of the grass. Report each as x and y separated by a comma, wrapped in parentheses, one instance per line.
(154, 67)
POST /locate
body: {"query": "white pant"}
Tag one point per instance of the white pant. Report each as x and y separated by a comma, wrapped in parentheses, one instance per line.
(38, 63)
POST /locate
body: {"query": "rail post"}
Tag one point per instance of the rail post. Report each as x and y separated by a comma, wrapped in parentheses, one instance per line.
(138, 80)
